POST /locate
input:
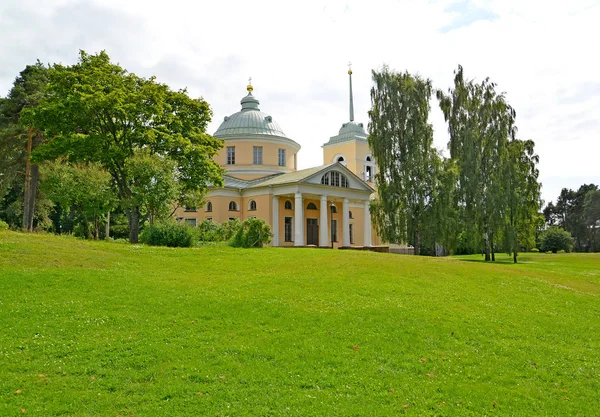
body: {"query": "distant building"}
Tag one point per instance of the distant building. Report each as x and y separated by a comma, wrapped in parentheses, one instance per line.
(313, 206)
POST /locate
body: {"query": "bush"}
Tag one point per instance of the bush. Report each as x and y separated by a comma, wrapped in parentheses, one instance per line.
(209, 231)
(554, 239)
(168, 234)
(253, 233)
(3, 225)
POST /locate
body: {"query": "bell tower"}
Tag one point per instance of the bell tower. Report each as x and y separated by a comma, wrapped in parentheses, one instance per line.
(350, 146)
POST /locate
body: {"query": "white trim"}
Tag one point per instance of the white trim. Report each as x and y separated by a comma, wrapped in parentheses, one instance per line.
(257, 170)
(340, 155)
(323, 226)
(260, 138)
(299, 221)
(275, 228)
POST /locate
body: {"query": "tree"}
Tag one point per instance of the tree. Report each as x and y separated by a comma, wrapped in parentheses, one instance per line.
(84, 189)
(554, 239)
(522, 196)
(480, 124)
(592, 217)
(97, 111)
(18, 177)
(401, 140)
(569, 214)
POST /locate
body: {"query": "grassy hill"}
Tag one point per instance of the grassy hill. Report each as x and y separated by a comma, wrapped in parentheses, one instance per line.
(106, 329)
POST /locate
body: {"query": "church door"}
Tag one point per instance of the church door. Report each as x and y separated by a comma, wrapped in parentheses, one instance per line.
(312, 232)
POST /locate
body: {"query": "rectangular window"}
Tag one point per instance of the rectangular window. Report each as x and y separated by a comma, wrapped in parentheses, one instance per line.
(288, 229)
(258, 155)
(190, 222)
(334, 236)
(231, 155)
(351, 233)
(190, 208)
(281, 157)
(295, 162)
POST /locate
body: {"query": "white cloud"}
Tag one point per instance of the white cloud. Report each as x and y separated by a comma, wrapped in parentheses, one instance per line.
(540, 53)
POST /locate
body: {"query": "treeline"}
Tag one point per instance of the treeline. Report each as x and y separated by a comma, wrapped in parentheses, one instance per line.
(91, 144)
(577, 212)
(484, 198)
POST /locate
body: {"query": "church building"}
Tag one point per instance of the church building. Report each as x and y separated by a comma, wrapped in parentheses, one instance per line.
(323, 206)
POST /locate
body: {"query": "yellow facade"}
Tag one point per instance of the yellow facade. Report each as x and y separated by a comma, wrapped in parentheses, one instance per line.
(259, 184)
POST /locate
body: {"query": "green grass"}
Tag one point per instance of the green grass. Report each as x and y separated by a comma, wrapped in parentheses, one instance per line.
(106, 329)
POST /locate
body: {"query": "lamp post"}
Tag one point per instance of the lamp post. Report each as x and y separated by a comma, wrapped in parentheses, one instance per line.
(332, 210)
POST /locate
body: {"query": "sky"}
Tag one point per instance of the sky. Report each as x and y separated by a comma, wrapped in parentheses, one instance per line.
(542, 54)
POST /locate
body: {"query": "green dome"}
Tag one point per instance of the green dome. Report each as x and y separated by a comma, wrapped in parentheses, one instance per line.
(249, 121)
(349, 131)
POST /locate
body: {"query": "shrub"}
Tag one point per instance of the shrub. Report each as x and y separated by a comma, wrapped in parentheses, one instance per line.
(554, 239)
(253, 233)
(3, 225)
(168, 234)
(209, 231)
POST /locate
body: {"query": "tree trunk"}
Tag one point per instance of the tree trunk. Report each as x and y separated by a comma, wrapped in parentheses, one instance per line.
(417, 242)
(107, 233)
(487, 247)
(133, 217)
(27, 188)
(515, 249)
(33, 188)
(492, 248)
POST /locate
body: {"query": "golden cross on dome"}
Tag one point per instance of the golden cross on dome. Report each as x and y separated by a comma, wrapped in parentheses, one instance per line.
(249, 88)
(349, 67)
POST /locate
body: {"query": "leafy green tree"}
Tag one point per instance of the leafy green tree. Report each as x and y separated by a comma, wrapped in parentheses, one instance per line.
(569, 214)
(96, 111)
(401, 138)
(554, 239)
(155, 186)
(522, 191)
(480, 124)
(19, 179)
(591, 210)
(84, 189)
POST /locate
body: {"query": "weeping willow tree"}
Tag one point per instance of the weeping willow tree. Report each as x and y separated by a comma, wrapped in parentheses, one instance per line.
(401, 138)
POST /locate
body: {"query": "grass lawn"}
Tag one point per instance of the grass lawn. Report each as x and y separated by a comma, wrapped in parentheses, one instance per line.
(106, 329)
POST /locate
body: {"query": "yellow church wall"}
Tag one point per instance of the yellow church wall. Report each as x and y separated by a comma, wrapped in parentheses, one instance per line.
(244, 156)
(347, 149)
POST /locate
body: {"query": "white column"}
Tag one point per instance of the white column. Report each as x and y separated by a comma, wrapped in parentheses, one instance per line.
(367, 227)
(275, 227)
(299, 221)
(345, 223)
(323, 223)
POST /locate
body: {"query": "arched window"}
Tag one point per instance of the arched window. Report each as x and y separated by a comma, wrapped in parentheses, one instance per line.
(252, 205)
(369, 172)
(335, 178)
(209, 207)
(311, 206)
(339, 158)
(350, 215)
(233, 206)
(288, 205)
(333, 209)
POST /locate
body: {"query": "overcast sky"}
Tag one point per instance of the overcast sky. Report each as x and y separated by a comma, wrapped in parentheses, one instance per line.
(543, 54)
